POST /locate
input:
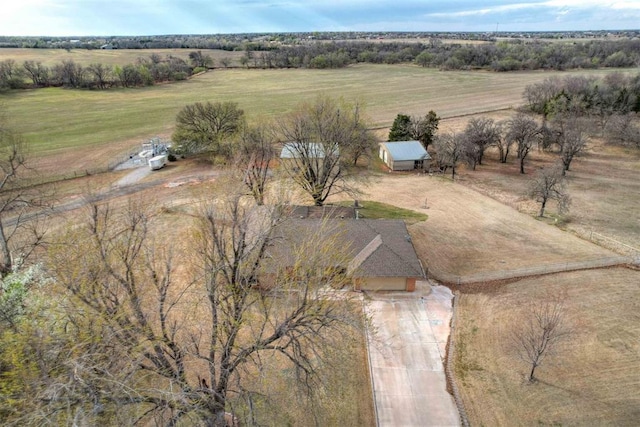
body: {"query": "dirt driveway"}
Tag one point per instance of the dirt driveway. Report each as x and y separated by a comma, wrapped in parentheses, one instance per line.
(406, 357)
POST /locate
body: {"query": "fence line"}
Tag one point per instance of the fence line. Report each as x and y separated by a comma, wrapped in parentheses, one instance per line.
(531, 271)
(609, 243)
(449, 369)
(78, 173)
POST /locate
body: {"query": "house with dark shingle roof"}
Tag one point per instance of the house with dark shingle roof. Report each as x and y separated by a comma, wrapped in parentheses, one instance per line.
(378, 253)
(404, 155)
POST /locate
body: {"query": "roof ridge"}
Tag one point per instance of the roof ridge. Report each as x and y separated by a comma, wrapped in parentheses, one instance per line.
(400, 257)
(365, 253)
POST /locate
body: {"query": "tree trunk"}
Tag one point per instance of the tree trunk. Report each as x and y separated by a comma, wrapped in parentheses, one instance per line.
(533, 370)
(522, 164)
(5, 255)
(544, 202)
(506, 154)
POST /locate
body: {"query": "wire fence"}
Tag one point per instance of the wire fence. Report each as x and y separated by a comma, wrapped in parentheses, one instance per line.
(609, 243)
(493, 276)
(449, 368)
(77, 173)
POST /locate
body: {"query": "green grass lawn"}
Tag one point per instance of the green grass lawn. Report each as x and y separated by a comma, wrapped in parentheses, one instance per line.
(377, 210)
(56, 119)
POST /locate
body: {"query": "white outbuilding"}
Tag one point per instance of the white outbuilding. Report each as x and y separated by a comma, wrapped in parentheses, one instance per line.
(404, 155)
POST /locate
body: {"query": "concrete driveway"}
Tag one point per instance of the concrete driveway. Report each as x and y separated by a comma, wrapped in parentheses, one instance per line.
(406, 354)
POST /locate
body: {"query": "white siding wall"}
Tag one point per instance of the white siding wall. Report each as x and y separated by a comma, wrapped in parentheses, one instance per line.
(403, 166)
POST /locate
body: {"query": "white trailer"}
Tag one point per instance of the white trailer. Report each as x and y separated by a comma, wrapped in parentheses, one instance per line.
(157, 162)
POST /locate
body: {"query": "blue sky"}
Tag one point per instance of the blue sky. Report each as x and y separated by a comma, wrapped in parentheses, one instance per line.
(152, 17)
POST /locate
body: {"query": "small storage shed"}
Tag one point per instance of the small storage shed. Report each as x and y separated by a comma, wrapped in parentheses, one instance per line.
(404, 155)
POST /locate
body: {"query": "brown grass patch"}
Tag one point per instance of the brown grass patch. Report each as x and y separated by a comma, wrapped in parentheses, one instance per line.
(593, 379)
(602, 183)
(468, 233)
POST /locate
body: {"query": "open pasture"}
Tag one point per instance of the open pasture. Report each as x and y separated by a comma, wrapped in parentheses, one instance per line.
(602, 183)
(82, 129)
(50, 57)
(592, 380)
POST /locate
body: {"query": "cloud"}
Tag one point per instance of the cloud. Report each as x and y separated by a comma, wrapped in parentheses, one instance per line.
(140, 17)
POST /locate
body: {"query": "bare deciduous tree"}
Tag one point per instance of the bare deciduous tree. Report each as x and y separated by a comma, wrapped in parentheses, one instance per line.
(538, 95)
(166, 347)
(254, 155)
(102, 75)
(317, 137)
(572, 141)
(38, 73)
(622, 129)
(21, 231)
(450, 149)
(199, 59)
(70, 74)
(362, 142)
(522, 130)
(10, 74)
(544, 325)
(480, 134)
(549, 184)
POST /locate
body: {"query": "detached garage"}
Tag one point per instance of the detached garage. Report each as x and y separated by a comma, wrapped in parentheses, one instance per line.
(404, 155)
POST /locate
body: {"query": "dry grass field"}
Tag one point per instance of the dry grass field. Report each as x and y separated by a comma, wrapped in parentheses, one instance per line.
(593, 379)
(173, 195)
(76, 130)
(603, 183)
(470, 234)
(477, 226)
(50, 57)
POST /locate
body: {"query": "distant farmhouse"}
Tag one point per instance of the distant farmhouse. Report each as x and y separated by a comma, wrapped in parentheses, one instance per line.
(404, 155)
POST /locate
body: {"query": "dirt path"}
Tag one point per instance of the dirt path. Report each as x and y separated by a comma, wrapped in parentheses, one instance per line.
(134, 176)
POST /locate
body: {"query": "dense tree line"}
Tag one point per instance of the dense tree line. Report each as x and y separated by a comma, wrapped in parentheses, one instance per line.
(611, 104)
(496, 56)
(145, 71)
(295, 52)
